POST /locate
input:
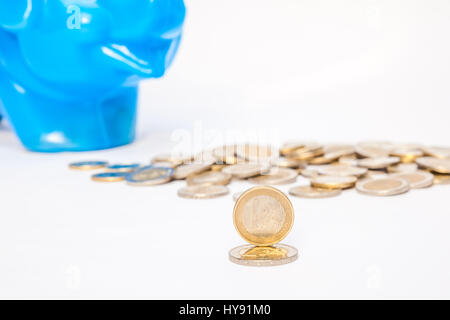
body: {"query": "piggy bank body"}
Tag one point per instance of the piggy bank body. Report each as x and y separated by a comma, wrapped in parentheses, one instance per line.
(69, 69)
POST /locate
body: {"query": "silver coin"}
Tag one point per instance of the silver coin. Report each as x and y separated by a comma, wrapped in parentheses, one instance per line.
(276, 255)
(149, 176)
(313, 193)
(203, 192)
(416, 180)
(276, 176)
(383, 187)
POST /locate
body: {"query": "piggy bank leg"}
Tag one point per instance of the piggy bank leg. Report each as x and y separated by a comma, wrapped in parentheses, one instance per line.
(46, 125)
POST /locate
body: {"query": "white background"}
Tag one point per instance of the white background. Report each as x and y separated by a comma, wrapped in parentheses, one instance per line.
(331, 71)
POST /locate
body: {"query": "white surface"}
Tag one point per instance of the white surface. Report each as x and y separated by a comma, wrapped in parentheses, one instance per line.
(250, 70)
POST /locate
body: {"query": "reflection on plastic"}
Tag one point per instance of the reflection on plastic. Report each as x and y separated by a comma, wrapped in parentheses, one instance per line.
(69, 69)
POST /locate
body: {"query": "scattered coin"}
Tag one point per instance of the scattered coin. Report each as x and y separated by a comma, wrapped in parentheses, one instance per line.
(309, 173)
(378, 163)
(263, 216)
(441, 178)
(407, 155)
(403, 167)
(435, 164)
(437, 152)
(173, 158)
(256, 153)
(203, 192)
(150, 176)
(276, 176)
(341, 170)
(373, 149)
(88, 165)
(349, 161)
(306, 153)
(226, 154)
(313, 193)
(209, 178)
(289, 163)
(333, 182)
(122, 167)
(109, 176)
(292, 146)
(416, 180)
(185, 170)
(246, 170)
(375, 174)
(249, 255)
(339, 150)
(388, 186)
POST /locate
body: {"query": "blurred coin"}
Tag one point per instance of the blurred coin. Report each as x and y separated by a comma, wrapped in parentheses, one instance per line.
(246, 170)
(88, 165)
(275, 255)
(309, 173)
(333, 182)
(185, 170)
(403, 167)
(149, 176)
(226, 154)
(313, 193)
(176, 159)
(341, 170)
(378, 163)
(349, 161)
(339, 150)
(122, 167)
(375, 174)
(407, 155)
(256, 153)
(306, 153)
(373, 149)
(109, 176)
(292, 146)
(383, 187)
(435, 164)
(441, 178)
(289, 163)
(437, 152)
(209, 178)
(416, 180)
(263, 216)
(276, 176)
(203, 192)
(164, 164)
(325, 159)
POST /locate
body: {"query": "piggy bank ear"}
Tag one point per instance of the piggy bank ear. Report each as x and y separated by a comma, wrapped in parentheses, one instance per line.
(16, 14)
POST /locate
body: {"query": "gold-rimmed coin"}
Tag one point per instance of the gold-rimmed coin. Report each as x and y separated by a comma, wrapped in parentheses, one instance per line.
(306, 153)
(122, 167)
(416, 180)
(246, 170)
(437, 152)
(292, 146)
(387, 186)
(333, 182)
(378, 163)
(185, 170)
(341, 170)
(203, 192)
(261, 256)
(88, 165)
(313, 193)
(109, 176)
(263, 216)
(209, 178)
(150, 176)
(403, 167)
(276, 176)
(435, 164)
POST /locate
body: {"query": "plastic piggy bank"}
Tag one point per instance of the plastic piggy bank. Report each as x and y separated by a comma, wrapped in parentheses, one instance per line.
(69, 69)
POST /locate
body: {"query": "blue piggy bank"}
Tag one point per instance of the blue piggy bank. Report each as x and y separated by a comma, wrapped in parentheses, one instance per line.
(69, 69)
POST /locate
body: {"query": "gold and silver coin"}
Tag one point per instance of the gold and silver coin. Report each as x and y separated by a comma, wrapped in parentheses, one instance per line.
(416, 180)
(276, 176)
(209, 178)
(88, 165)
(313, 193)
(437, 152)
(333, 182)
(387, 186)
(185, 170)
(122, 167)
(378, 163)
(249, 255)
(246, 170)
(203, 191)
(306, 153)
(263, 216)
(435, 164)
(150, 176)
(109, 176)
(341, 170)
(403, 167)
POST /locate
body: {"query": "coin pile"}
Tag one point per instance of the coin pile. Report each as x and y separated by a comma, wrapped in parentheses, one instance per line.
(373, 168)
